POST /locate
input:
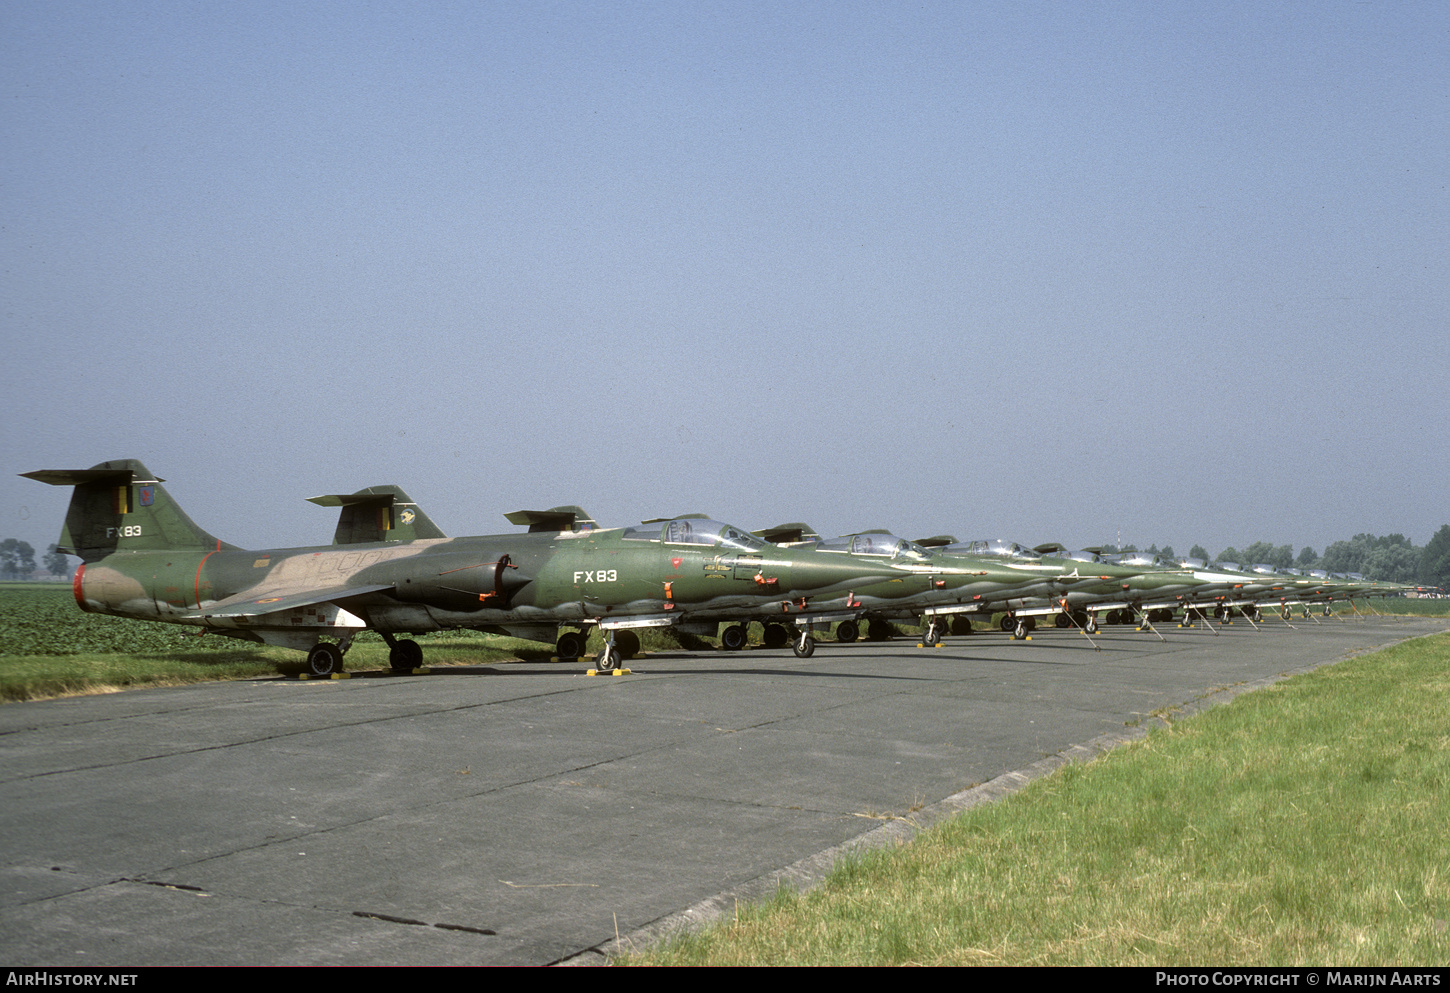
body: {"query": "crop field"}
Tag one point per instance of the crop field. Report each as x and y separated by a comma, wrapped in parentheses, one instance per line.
(49, 647)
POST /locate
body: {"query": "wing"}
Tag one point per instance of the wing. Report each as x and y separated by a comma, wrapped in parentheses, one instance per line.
(258, 601)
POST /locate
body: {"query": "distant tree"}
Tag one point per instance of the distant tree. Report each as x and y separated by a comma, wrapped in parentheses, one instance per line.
(1229, 555)
(1435, 560)
(56, 562)
(17, 558)
(1259, 551)
(1393, 557)
(1199, 552)
(1307, 558)
(1167, 552)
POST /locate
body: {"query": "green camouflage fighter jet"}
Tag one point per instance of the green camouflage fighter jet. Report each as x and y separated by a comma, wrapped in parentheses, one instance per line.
(933, 588)
(145, 558)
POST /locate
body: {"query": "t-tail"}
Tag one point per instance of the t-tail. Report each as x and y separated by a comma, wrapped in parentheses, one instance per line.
(120, 506)
(378, 513)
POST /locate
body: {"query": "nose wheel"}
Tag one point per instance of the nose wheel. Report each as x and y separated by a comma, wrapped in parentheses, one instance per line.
(804, 645)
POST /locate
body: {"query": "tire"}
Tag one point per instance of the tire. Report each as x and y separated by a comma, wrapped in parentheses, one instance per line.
(570, 646)
(324, 659)
(626, 643)
(961, 625)
(847, 631)
(1062, 621)
(405, 656)
(733, 638)
(804, 648)
(776, 636)
(879, 631)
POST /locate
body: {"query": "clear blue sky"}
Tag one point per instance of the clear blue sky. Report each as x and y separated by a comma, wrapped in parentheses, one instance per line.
(1058, 271)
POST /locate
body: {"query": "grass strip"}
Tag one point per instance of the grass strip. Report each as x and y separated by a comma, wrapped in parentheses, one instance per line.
(1303, 824)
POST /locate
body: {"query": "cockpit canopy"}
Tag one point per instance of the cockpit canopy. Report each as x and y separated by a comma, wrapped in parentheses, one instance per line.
(995, 548)
(874, 543)
(1140, 559)
(697, 531)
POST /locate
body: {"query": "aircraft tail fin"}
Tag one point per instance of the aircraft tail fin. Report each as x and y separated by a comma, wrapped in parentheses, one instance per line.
(378, 513)
(121, 506)
(788, 534)
(566, 518)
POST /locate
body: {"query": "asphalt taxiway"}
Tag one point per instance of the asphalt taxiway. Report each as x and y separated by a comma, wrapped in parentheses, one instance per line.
(528, 813)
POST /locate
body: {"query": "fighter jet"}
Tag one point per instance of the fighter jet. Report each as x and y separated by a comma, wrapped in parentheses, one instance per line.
(144, 557)
(936, 587)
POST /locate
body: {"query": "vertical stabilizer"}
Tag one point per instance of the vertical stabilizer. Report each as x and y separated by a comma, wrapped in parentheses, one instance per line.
(378, 513)
(121, 506)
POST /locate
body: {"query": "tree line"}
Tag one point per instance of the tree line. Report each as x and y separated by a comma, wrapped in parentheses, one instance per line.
(17, 560)
(1392, 557)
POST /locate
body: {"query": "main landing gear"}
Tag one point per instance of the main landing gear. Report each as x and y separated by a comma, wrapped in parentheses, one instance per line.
(324, 659)
(403, 656)
(570, 645)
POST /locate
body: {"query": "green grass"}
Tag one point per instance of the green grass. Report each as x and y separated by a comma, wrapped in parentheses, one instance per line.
(1302, 824)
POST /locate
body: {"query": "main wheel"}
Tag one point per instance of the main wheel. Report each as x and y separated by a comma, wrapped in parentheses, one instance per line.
(626, 643)
(570, 646)
(847, 631)
(878, 630)
(733, 637)
(324, 659)
(405, 656)
(1008, 623)
(1062, 621)
(776, 636)
(961, 625)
